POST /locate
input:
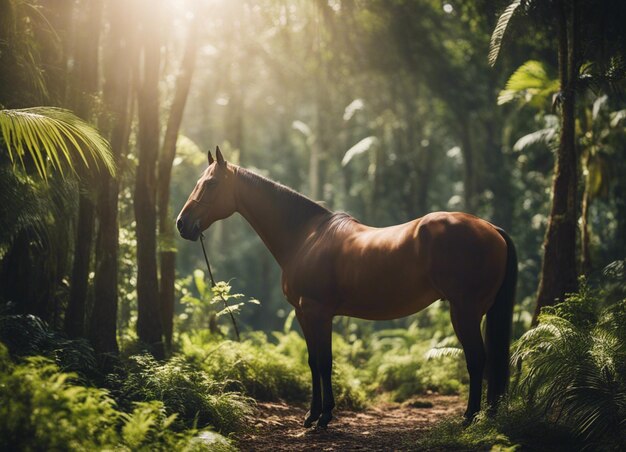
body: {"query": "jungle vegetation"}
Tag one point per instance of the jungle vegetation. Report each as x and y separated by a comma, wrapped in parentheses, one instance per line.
(514, 111)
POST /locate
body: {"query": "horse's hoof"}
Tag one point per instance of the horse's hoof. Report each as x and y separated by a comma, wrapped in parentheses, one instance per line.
(310, 419)
(468, 419)
(322, 422)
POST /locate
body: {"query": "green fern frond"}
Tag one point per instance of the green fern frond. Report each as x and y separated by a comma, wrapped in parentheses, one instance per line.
(53, 138)
(440, 352)
(498, 33)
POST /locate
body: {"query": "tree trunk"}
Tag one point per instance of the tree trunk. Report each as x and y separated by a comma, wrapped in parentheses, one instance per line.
(149, 327)
(558, 272)
(585, 261)
(619, 195)
(85, 80)
(500, 180)
(75, 314)
(168, 152)
(120, 50)
(427, 157)
(469, 176)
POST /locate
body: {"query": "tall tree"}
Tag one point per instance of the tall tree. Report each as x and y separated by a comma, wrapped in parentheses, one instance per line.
(166, 159)
(585, 32)
(119, 60)
(83, 90)
(558, 271)
(149, 328)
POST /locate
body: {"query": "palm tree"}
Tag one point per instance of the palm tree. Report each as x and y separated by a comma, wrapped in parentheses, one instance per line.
(41, 151)
(531, 85)
(597, 25)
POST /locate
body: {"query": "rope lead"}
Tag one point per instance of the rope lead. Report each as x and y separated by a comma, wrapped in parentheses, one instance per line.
(208, 266)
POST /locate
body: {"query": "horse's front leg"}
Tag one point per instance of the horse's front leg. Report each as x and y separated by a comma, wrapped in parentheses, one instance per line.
(316, 399)
(319, 325)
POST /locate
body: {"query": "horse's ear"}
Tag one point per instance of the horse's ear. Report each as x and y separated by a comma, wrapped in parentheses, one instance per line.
(210, 157)
(218, 154)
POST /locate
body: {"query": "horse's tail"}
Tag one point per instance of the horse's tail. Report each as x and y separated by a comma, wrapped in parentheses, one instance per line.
(499, 325)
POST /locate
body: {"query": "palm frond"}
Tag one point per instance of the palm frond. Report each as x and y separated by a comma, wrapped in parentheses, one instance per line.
(498, 33)
(617, 117)
(546, 136)
(530, 83)
(362, 146)
(53, 138)
(40, 207)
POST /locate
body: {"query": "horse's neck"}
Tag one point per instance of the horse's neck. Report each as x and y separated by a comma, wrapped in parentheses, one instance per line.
(280, 216)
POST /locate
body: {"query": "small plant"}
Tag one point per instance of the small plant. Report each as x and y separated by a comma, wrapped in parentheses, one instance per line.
(204, 305)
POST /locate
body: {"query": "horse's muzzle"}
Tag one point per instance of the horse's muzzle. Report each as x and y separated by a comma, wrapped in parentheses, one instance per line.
(188, 233)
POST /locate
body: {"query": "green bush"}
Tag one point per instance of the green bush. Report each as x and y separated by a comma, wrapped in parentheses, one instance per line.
(269, 371)
(43, 408)
(571, 391)
(195, 397)
(574, 368)
(401, 364)
(27, 335)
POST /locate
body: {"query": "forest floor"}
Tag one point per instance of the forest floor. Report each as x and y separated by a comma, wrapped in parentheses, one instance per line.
(383, 427)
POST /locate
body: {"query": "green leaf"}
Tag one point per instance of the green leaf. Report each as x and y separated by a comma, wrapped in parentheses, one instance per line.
(289, 321)
(362, 146)
(198, 279)
(498, 32)
(530, 84)
(235, 308)
(53, 138)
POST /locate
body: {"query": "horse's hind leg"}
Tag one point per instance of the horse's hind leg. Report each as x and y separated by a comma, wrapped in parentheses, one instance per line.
(316, 399)
(467, 328)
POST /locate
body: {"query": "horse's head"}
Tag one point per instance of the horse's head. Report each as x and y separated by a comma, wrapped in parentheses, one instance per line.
(212, 199)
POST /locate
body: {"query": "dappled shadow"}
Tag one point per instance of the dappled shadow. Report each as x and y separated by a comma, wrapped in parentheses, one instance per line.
(278, 427)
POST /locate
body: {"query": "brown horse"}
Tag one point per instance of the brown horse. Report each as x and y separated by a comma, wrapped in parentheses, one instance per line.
(334, 265)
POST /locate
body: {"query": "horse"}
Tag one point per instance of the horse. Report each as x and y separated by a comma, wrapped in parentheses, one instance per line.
(334, 265)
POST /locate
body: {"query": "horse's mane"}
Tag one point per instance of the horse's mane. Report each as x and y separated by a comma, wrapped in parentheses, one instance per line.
(300, 207)
(333, 227)
(338, 221)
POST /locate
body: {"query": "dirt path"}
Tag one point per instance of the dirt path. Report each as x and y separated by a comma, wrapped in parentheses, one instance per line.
(384, 427)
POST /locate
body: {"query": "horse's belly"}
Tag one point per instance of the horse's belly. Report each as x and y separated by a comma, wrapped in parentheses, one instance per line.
(386, 302)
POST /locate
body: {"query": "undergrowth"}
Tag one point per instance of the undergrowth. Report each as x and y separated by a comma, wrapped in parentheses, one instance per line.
(268, 370)
(195, 397)
(43, 408)
(570, 393)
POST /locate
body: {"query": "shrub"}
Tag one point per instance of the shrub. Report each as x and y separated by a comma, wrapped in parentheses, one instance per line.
(27, 335)
(571, 391)
(269, 371)
(575, 367)
(43, 408)
(401, 364)
(196, 398)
